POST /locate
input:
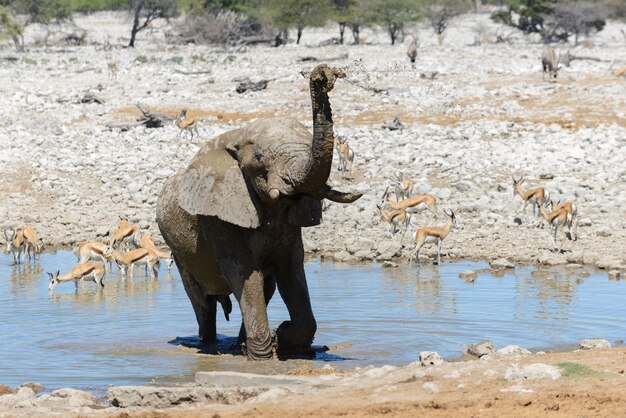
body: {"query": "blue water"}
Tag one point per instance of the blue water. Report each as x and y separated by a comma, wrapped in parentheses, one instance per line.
(366, 315)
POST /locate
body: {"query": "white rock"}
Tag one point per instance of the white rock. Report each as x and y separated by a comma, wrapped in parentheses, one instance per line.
(431, 387)
(531, 372)
(593, 344)
(512, 350)
(502, 263)
(481, 349)
(430, 358)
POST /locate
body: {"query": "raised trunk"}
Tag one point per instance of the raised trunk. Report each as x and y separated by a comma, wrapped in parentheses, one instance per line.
(321, 82)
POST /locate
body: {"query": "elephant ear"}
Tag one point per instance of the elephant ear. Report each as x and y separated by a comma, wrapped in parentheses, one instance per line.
(305, 211)
(213, 185)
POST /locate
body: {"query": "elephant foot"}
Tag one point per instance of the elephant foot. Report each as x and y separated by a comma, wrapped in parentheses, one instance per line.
(256, 351)
(295, 339)
(208, 336)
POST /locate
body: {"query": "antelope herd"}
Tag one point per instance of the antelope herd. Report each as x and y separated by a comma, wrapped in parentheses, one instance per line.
(127, 247)
(398, 214)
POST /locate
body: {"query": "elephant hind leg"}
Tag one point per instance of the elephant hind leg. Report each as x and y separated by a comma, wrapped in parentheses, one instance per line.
(204, 306)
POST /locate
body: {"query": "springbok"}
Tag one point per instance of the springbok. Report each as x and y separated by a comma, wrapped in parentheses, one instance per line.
(413, 204)
(556, 219)
(537, 196)
(571, 209)
(14, 244)
(94, 251)
(112, 67)
(433, 235)
(126, 261)
(85, 271)
(33, 247)
(412, 51)
(394, 217)
(550, 64)
(147, 243)
(126, 233)
(185, 123)
(346, 156)
(403, 188)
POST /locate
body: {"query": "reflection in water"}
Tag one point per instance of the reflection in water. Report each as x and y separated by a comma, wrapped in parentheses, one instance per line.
(127, 332)
(431, 297)
(24, 278)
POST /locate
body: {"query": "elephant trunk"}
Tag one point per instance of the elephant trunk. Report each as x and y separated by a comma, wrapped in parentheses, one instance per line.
(322, 80)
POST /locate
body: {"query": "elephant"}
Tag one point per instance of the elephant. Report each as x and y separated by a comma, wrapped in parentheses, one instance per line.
(233, 221)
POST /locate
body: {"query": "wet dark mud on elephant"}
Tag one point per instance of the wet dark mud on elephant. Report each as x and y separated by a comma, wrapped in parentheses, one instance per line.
(233, 220)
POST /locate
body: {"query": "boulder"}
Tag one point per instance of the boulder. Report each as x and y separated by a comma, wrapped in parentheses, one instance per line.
(23, 398)
(532, 372)
(593, 344)
(615, 275)
(469, 275)
(167, 396)
(102, 231)
(481, 349)
(237, 379)
(430, 358)
(502, 263)
(75, 397)
(36, 387)
(512, 350)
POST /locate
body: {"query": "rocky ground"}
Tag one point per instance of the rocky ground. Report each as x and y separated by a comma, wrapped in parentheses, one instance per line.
(506, 382)
(473, 115)
(485, 116)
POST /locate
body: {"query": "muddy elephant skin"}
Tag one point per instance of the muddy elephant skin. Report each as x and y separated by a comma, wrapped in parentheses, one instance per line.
(233, 220)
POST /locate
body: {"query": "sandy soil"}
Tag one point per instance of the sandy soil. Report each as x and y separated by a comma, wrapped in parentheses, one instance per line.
(468, 389)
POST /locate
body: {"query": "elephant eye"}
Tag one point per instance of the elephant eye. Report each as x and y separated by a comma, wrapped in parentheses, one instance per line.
(258, 155)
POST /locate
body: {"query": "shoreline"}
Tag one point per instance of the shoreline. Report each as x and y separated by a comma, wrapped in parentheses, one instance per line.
(519, 378)
(497, 262)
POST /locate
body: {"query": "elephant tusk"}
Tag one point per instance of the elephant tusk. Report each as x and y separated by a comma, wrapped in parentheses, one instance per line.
(341, 197)
(274, 193)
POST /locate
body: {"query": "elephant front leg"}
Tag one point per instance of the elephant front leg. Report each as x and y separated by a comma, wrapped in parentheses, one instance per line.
(251, 299)
(269, 287)
(296, 335)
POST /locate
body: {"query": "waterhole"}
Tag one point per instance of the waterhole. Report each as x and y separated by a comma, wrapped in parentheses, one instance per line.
(130, 332)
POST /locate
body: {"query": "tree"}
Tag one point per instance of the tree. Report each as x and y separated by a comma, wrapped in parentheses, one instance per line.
(10, 28)
(285, 14)
(440, 13)
(556, 20)
(359, 15)
(574, 19)
(148, 10)
(341, 10)
(43, 12)
(527, 15)
(393, 15)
